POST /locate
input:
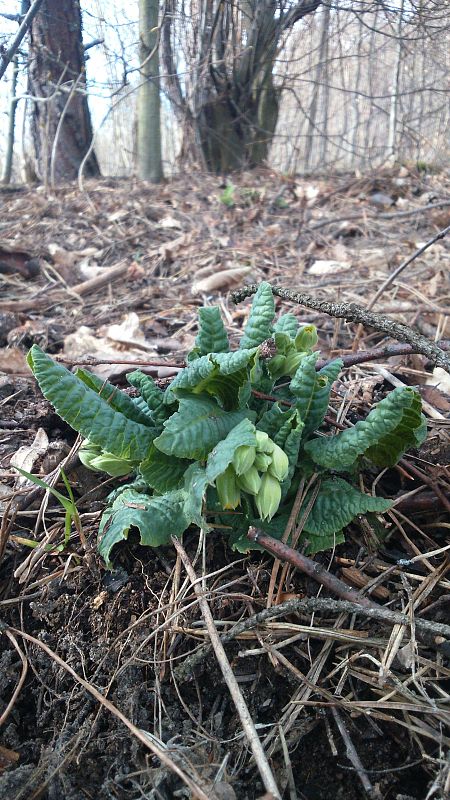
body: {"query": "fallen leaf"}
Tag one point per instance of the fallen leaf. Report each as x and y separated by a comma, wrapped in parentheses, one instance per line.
(169, 222)
(222, 280)
(328, 267)
(26, 456)
(168, 250)
(7, 758)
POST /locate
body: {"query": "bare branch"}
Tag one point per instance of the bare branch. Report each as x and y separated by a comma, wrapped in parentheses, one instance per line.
(7, 57)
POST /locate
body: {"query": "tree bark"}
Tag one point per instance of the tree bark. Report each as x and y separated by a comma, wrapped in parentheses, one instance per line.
(7, 167)
(149, 102)
(61, 124)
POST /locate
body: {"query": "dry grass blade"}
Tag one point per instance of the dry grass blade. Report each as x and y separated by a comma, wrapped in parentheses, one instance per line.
(236, 694)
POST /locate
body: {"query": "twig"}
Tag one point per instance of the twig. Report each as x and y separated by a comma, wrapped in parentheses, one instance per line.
(353, 756)
(21, 680)
(422, 476)
(150, 743)
(309, 567)
(354, 313)
(229, 677)
(378, 353)
(441, 235)
(375, 216)
(7, 57)
(390, 279)
(434, 632)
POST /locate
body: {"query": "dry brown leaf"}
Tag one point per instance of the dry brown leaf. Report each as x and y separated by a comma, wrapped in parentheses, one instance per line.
(223, 280)
(169, 222)
(7, 758)
(25, 457)
(169, 250)
(62, 257)
(325, 267)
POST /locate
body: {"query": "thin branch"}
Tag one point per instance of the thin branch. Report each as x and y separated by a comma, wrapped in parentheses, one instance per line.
(7, 57)
(21, 680)
(432, 632)
(373, 215)
(441, 235)
(354, 313)
(353, 756)
(309, 567)
(377, 353)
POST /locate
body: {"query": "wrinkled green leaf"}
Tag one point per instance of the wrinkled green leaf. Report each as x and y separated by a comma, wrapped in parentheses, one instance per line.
(156, 518)
(287, 323)
(162, 472)
(275, 418)
(193, 378)
(198, 425)
(337, 504)
(195, 484)
(291, 447)
(394, 425)
(212, 336)
(86, 412)
(259, 325)
(222, 454)
(198, 478)
(311, 390)
(222, 375)
(236, 361)
(151, 395)
(114, 397)
(318, 542)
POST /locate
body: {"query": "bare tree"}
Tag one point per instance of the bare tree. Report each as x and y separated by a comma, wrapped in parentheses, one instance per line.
(61, 124)
(149, 102)
(230, 98)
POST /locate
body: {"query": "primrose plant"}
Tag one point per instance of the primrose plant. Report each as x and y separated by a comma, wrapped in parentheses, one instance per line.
(229, 441)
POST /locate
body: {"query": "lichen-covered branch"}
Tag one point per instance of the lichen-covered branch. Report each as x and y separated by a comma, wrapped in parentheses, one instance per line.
(354, 313)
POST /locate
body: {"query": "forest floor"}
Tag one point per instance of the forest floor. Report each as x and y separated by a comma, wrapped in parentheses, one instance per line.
(92, 685)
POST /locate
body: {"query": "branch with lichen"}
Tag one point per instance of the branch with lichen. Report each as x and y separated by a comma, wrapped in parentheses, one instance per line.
(354, 313)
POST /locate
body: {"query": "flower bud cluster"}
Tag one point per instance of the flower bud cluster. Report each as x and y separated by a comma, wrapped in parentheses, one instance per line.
(257, 471)
(289, 357)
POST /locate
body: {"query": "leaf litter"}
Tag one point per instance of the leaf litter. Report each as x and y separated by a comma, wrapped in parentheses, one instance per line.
(121, 272)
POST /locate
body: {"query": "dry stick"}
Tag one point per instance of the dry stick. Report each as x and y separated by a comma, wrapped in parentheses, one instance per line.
(353, 756)
(21, 680)
(375, 216)
(354, 313)
(26, 22)
(432, 632)
(441, 235)
(391, 278)
(229, 677)
(422, 476)
(309, 567)
(378, 353)
(145, 740)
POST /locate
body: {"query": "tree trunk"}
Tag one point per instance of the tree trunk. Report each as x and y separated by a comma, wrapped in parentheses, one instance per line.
(7, 167)
(149, 102)
(229, 95)
(61, 124)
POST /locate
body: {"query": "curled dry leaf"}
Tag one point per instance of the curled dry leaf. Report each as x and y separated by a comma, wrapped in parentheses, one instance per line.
(221, 281)
(26, 456)
(327, 267)
(169, 250)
